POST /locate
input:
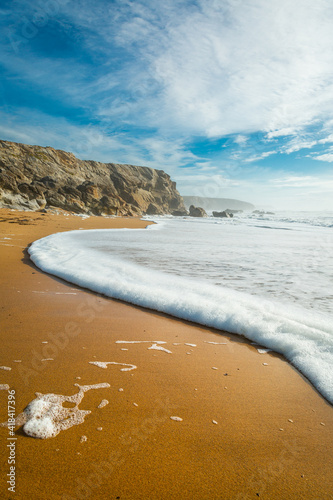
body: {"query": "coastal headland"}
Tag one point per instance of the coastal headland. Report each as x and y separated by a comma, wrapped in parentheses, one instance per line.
(245, 424)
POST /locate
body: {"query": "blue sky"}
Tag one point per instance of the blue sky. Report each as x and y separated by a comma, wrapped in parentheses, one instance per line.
(233, 98)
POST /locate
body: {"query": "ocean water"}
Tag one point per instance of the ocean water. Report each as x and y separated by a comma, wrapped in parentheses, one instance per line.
(268, 277)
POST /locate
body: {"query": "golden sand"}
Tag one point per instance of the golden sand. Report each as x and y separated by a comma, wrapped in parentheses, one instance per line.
(251, 425)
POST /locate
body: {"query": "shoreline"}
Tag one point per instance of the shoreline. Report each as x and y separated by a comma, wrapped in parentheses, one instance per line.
(141, 452)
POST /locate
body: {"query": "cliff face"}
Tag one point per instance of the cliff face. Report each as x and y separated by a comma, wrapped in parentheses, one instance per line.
(34, 177)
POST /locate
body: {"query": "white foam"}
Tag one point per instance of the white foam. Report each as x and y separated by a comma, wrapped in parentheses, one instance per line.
(176, 419)
(215, 343)
(140, 342)
(159, 348)
(46, 417)
(104, 364)
(263, 265)
(103, 403)
(7, 368)
(4, 387)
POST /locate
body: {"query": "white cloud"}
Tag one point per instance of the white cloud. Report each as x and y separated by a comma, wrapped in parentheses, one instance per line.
(287, 131)
(297, 144)
(259, 157)
(93, 142)
(324, 157)
(211, 68)
(228, 70)
(327, 139)
(323, 183)
(208, 68)
(241, 140)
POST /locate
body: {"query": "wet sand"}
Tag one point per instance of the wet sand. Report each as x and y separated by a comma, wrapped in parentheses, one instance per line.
(268, 439)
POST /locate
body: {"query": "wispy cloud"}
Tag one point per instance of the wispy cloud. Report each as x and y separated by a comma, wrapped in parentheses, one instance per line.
(297, 144)
(259, 157)
(208, 68)
(324, 183)
(324, 157)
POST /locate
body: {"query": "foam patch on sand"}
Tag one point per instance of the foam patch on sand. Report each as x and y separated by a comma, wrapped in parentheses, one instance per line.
(103, 403)
(140, 342)
(45, 417)
(4, 387)
(104, 364)
(159, 348)
(215, 343)
(7, 368)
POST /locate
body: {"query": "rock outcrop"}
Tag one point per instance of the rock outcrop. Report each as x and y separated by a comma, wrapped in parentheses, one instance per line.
(225, 213)
(180, 213)
(197, 211)
(35, 177)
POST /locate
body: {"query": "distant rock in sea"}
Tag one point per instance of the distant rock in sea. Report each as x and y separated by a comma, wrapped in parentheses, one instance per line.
(197, 211)
(35, 177)
(225, 213)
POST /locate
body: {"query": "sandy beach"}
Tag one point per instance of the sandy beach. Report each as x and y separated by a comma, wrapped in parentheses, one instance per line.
(251, 425)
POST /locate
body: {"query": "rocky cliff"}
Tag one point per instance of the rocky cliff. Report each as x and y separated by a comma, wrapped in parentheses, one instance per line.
(34, 177)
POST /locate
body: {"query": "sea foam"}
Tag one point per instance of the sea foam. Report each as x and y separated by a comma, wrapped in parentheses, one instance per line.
(95, 260)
